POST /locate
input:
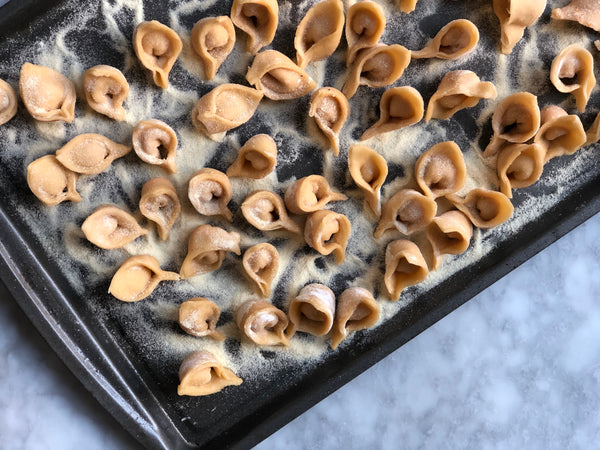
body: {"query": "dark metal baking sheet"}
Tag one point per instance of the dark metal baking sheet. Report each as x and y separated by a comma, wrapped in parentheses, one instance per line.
(139, 390)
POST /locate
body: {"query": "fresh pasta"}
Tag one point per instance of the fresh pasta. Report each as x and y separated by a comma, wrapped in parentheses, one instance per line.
(263, 323)
(407, 211)
(201, 373)
(213, 39)
(160, 204)
(198, 316)
(328, 232)
(404, 266)
(8, 102)
(312, 310)
(105, 90)
(441, 170)
(207, 248)
(256, 158)
(329, 108)
(90, 153)
(155, 143)
(365, 23)
(258, 19)
(574, 62)
(514, 17)
(209, 191)
(309, 194)
(356, 309)
(261, 263)
(369, 170)
(265, 210)
(110, 227)
(455, 39)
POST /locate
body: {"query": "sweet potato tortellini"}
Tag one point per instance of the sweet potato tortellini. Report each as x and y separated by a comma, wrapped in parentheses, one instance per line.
(441, 170)
(90, 153)
(593, 132)
(369, 170)
(157, 47)
(312, 310)
(449, 234)
(213, 39)
(485, 208)
(261, 263)
(51, 182)
(48, 95)
(155, 142)
(225, 107)
(8, 102)
(454, 40)
(399, 107)
(519, 165)
(309, 194)
(514, 17)
(160, 204)
(110, 227)
(560, 133)
(266, 211)
(365, 23)
(207, 248)
(137, 278)
(199, 316)
(256, 159)
(573, 71)
(319, 32)
(276, 75)
(330, 109)
(201, 373)
(458, 89)
(407, 211)
(585, 12)
(263, 323)
(328, 232)
(404, 266)
(105, 90)
(258, 19)
(377, 66)
(356, 309)
(209, 191)
(406, 6)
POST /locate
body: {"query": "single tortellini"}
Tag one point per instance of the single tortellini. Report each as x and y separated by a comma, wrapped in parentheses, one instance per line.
(449, 234)
(441, 170)
(560, 133)
(329, 108)
(90, 153)
(356, 309)
(399, 107)
(155, 142)
(213, 39)
(573, 71)
(519, 165)
(266, 211)
(365, 23)
(48, 95)
(455, 39)
(160, 204)
(201, 373)
(378, 66)
(51, 182)
(258, 19)
(319, 32)
(207, 248)
(209, 191)
(328, 232)
(277, 77)
(593, 132)
(8, 102)
(309, 194)
(157, 47)
(225, 107)
(514, 17)
(312, 310)
(406, 6)
(407, 211)
(585, 12)
(404, 266)
(137, 278)
(369, 170)
(263, 323)
(105, 90)
(256, 159)
(458, 90)
(261, 263)
(485, 208)
(110, 227)
(199, 316)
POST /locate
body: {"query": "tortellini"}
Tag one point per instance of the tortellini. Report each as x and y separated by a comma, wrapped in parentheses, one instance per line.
(399, 107)
(263, 323)
(593, 132)
(560, 133)
(519, 165)
(51, 182)
(261, 263)
(577, 64)
(458, 89)
(8, 102)
(209, 191)
(48, 95)
(277, 77)
(225, 107)
(448, 234)
(266, 211)
(485, 208)
(105, 90)
(256, 159)
(312, 310)
(369, 170)
(330, 109)
(455, 39)
(199, 316)
(404, 266)
(201, 373)
(407, 6)
(319, 32)
(258, 19)
(213, 39)
(207, 248)
(365, 23)
(309, 194)
(138, 277)
(583, 11)
(378, 66)
(110, 227)
(160, 204)
(157, 47)
(441, 170)
(407, 211)
(514, 17)
(356, 309)
(155, 142)
(90, 153)
(328, 232)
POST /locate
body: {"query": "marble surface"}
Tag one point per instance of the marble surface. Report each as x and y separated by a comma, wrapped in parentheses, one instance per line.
(518, 366)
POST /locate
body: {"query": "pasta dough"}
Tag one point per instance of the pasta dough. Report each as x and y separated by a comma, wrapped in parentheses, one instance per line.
(365, 23)
(574, 62)
(160, 204)
(485, 208)
(328, 232)
(560, 133)
(90, 153)
(406, 6)
(266, 211)
(105, 90)
(369, 170)
(404, 266)
(441, 170)
(155, 142)
(199, 316)
(256, 159)
(213, 39)
(258, 19)
(407, 211)
(330, 109)
(455, 39)
(356, 309)
(51, 182)
(261, 263)
(110, 227)
(585, 12)
(593, 132)
(8, 102)
(201, 373)
(448, 234)
(209, 191)
(207, 247)
(519, 165)
(514, 17)
(312, 310)
(263, 323)
(309, 194)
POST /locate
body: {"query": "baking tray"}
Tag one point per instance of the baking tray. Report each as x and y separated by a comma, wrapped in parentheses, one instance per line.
(136, 386)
